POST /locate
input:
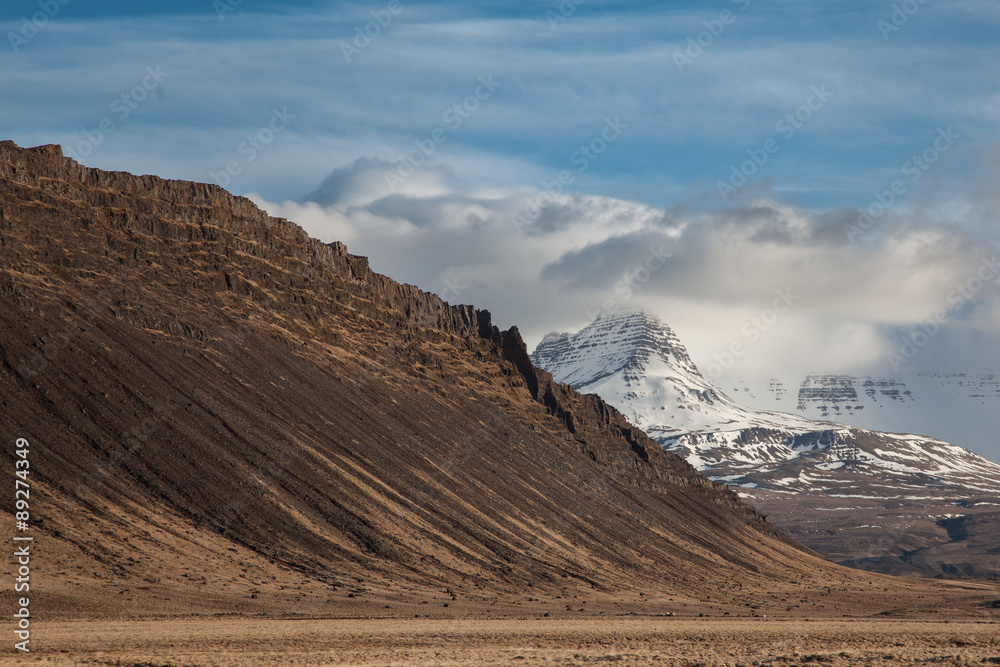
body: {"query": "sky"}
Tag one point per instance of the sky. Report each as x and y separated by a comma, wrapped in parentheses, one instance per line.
(815, 182)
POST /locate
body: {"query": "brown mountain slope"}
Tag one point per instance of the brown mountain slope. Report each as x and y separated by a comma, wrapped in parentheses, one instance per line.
(226, 415)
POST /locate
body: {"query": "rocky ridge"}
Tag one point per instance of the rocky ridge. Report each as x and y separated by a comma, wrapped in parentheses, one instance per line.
(227, 416)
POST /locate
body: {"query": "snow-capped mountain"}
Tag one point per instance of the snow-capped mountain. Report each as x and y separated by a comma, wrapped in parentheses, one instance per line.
(635, 362)
(780, 461)
(960, 408)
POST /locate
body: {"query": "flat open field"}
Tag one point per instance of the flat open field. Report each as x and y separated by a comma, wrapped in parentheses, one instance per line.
(516, 642)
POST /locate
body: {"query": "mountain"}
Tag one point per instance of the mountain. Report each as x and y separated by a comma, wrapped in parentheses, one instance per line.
(636, 362)
(227, 417)
(960, 408)
(861, 497)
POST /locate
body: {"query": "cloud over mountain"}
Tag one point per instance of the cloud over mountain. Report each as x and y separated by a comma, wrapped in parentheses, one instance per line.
(855, 300)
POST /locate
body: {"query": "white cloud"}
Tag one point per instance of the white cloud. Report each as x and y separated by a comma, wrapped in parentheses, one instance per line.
(725, 270)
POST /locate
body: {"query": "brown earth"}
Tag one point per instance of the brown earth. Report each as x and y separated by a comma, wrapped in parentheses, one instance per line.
(924, 536)
(518, 642)
(229, 418)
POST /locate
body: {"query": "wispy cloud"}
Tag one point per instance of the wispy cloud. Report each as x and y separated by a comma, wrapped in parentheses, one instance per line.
(607, 58)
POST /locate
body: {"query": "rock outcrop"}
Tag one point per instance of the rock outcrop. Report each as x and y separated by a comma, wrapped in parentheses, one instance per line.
(227, 416)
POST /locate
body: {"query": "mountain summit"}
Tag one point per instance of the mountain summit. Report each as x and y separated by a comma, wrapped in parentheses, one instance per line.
(785, 463)
(635, 361)
(626, 342)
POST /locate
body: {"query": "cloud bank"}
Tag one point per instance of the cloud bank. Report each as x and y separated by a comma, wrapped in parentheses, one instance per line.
(848, 303)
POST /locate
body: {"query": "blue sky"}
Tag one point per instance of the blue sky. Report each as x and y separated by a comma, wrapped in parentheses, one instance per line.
(687, 129)
(823, 107)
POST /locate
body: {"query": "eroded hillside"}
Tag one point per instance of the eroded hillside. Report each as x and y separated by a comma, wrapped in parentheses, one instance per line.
(228, 416)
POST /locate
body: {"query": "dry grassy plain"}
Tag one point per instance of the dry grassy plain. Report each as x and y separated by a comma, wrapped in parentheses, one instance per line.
(641, 641)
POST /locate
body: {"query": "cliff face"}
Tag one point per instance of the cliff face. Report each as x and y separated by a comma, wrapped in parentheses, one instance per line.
(227, 415)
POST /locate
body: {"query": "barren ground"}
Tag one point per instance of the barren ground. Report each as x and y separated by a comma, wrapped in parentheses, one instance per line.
(661, 641)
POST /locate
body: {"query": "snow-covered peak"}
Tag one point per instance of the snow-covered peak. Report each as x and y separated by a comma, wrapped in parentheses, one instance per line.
(883, 493)
(621, 342)
(635, 362)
